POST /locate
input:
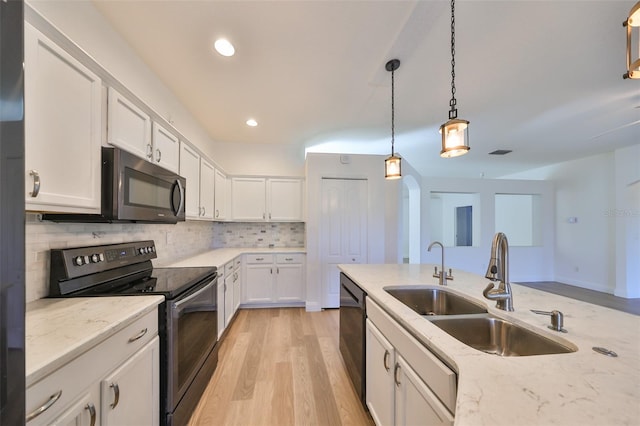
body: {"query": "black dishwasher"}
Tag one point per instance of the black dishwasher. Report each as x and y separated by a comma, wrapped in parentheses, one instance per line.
(352, 332)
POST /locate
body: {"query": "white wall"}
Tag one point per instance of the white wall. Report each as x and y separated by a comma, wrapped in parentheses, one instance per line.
(526, 263)
(383, 212)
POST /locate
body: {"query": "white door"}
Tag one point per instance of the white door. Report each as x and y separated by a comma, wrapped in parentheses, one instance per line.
(343, 232)
(207, 181)
(248, 198)
(128, 127)
(380, 363)
(220, 197)
(190, 170)
(285, 199)
(166, 148)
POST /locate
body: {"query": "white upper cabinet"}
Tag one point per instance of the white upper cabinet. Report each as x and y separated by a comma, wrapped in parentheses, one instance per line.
(128, 127)
(248, 199)
(220, 198)
(266, 199)
(166, 148)
(63, 101)
(207, 182)
(190, 170)
(285, 199)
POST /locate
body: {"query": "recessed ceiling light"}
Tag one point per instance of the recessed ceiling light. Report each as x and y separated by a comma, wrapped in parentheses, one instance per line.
(224, 47)
(251, 122)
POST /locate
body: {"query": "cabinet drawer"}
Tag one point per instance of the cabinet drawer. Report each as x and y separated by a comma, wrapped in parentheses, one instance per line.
(290, 258)
(237, 262)
(259, 258)
(78, 375)
(228, 268)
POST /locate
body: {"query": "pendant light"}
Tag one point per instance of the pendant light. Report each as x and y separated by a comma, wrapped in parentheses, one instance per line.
(633, 21)
(392, 165)
(455, 132)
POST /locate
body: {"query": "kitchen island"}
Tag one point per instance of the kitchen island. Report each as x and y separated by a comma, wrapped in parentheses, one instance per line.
(578, 388)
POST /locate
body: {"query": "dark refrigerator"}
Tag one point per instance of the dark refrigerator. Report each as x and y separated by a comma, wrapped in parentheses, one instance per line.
(12, 245)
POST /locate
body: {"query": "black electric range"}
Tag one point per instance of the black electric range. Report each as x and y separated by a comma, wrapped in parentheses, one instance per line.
(187, 320)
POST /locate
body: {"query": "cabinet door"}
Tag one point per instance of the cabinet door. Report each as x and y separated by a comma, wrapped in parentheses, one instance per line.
(258, 282)
(228, 299)
(237, 288)
(131, 394)
(207, 179)
(190, 170)
(248, 199)
(84, 412)
(221, 315)
(63, 102)
(285, 199)
(415, 402)
(380, 362)
(128, 126)
(166, 148)
(289, 283)
(220, 198)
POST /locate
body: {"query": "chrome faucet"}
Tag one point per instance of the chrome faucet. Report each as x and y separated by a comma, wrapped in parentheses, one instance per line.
(498, 270)
(442, 275)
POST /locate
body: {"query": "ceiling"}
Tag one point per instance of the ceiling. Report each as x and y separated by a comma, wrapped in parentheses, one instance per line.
(541, 78)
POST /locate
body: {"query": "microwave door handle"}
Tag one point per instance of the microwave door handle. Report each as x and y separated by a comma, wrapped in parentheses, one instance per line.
(181, 197)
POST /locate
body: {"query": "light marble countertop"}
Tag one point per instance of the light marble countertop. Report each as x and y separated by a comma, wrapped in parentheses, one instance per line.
(577, 388)
(59, 330)
(218, 257)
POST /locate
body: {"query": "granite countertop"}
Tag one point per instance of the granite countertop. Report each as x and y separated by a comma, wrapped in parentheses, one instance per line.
(577, 388)
(218, 257)
(59, 330)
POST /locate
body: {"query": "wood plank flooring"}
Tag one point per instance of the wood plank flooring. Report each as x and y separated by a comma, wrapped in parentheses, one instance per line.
(281, 367)
(631, 306)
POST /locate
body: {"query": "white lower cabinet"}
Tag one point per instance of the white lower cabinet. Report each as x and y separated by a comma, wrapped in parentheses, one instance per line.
(274, 279)
(406, 383)
(114, 383)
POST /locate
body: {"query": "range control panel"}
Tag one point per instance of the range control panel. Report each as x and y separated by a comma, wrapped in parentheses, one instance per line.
(80, 261)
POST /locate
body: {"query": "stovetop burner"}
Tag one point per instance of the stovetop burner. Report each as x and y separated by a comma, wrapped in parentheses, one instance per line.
(118, 269)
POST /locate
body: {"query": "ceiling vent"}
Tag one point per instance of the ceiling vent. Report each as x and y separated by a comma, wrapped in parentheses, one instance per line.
(500, 152)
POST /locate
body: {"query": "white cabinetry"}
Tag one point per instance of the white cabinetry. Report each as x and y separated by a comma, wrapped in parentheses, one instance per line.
(266, 199)
(200, 176)
(116, 382)
(128, 127)
(274, 279)
(406, 383)
(220, 198)
(166, 148)
(229, 288)
(62, 129)
(237, 282)
(229, 292)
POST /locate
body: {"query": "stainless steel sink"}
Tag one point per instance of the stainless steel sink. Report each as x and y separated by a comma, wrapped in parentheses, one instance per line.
(434, 301)
(500, 337)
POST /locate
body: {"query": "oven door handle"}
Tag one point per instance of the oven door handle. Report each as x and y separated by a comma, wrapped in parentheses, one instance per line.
(187, 299)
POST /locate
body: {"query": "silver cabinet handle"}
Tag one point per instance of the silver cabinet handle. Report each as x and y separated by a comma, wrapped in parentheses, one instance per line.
(44, 407)
(36, 183)
(288, 259)
(204, 211)
(116, 395)
(92, 413)
(263, 216)
(259, 258)
(138, 336)
(395, 375)
(385, 360)
(269, 215)
(149, 151)
(158, 155)
(217, 213)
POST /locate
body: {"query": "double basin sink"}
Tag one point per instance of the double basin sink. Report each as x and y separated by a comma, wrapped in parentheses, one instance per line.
(471, 324)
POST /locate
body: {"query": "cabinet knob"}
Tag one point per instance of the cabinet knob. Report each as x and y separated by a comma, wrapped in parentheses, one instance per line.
(36, 183)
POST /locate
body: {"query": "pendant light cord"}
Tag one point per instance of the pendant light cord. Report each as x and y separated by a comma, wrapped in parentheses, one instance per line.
(392, 112)
(453, 113)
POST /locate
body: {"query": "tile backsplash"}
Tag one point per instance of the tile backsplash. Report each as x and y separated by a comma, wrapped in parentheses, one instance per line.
(173, 242)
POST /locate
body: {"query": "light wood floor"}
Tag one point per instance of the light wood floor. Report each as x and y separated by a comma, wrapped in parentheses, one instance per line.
(281, 367)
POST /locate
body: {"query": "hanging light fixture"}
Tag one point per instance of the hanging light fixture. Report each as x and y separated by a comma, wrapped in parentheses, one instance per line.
(455, 132)
(393, 164)
(633, 21)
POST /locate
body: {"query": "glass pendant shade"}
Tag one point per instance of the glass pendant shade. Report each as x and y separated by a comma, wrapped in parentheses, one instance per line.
(393, 167)
(455, 138)
(633, 42)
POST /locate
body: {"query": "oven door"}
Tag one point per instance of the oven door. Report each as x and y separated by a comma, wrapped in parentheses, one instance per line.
(192, 324)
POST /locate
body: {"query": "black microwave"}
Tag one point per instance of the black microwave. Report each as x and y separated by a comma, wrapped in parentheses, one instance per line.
(134, 190)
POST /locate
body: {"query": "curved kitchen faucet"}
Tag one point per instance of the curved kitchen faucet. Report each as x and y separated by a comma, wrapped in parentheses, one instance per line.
(442, 275)
(498, 270)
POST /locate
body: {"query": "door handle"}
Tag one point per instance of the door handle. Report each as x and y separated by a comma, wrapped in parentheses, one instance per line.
(395, 375)
(44, 407)
(36, 183)
(385, 360)
(116, 395)
(138, 336)
(149, 151)
(158, 155)
(92, 413)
